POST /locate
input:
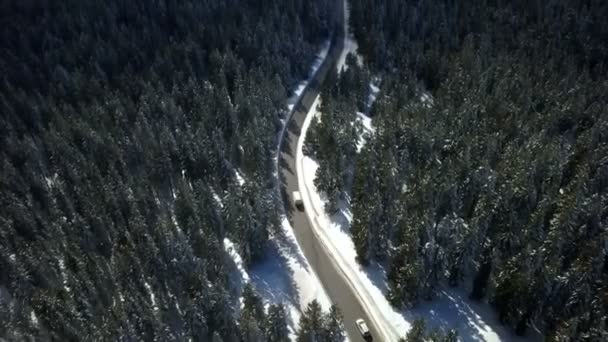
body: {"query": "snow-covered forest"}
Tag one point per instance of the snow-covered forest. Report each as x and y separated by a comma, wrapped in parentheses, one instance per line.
(135, 137)
(466, 141)
(487, 166)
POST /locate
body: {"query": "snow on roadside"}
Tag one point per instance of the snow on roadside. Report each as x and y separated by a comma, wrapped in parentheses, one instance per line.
(321, 55)
(334, 231)
(350, 44)
(306, 169)
(452, 309)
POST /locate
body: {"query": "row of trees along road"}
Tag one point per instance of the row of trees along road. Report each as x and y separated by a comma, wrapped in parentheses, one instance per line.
(488, 167)
(121, 123)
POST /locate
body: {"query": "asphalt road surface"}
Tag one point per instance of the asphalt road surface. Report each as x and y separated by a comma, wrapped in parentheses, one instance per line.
(335, 286)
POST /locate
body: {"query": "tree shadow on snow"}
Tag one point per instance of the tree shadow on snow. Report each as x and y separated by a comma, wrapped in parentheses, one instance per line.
(376, 272)
(273, 278)
(343, 217)
(289, 245)
(475, 321)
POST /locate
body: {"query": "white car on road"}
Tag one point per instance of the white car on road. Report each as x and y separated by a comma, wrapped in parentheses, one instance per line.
(363, 329)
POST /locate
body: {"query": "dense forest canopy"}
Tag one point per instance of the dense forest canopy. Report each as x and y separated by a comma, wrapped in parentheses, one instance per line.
(123, 125)
(488, 167)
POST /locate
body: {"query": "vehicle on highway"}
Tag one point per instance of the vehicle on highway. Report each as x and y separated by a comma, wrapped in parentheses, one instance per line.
(297, 200)
(363, 329)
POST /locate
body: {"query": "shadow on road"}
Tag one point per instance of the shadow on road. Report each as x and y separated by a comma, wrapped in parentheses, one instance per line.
(294, 128)
(283, 164)
(288, 208)
(286, 145)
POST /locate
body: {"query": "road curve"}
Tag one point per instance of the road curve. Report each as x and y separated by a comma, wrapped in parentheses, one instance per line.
(334, 284)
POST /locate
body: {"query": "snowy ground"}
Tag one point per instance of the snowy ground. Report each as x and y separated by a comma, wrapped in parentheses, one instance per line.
(284, 276)
(452, 309)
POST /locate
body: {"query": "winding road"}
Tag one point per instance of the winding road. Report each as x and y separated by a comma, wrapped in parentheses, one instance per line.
(335, 285)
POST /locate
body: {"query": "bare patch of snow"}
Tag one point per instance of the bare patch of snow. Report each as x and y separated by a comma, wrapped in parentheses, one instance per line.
(427, 99)
(217, 198)
(64, 277)
(152, 296)
(33, 318)
(174, 220)
(50, 181)
(372, 96)
(368, 129)
(239, 177)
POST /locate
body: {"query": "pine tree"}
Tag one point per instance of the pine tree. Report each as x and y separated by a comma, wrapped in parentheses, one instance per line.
(451, 336)
(276, 324)
(361, 235)
(334, 327)
(417, 331)
(404, 276)
(311, 323)
(252, 303)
